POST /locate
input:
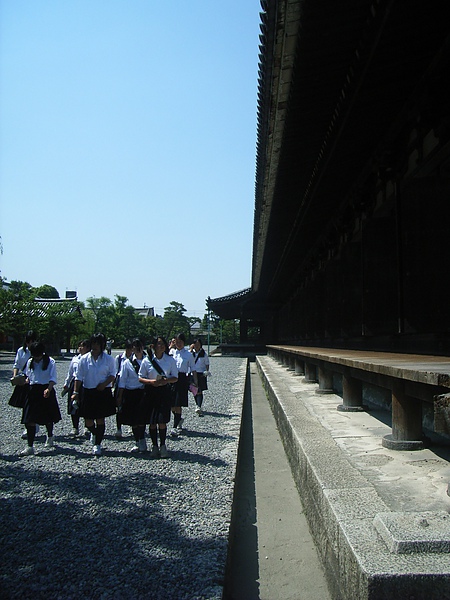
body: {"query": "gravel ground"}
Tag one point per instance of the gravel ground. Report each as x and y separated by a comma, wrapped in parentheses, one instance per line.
(121, 525)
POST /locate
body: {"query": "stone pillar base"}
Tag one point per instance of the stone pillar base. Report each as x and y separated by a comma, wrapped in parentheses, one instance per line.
(347, 408)
(389, 442)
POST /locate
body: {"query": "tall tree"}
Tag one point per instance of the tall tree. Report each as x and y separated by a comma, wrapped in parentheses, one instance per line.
(21, 290)
(103, 311)
(127, 323)
(46, 291)
(174, 320)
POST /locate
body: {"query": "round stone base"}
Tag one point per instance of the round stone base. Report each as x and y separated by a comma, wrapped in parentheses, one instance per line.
(388, 442)
(324, 391)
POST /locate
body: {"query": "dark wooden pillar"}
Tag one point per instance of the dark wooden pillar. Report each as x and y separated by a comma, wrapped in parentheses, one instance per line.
(406, 421)
(352, 394)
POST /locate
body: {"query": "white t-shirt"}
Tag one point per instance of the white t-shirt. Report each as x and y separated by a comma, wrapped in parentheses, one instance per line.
(92, 372)
(38, 375)
(166, 362)
(72, 369)
(128, 378)
(184, 360)
(202, 362)
(21, 359)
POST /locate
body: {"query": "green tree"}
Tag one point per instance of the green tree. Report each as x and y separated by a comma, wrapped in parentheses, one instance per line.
(46, 291)
(87, 328)
(19, 313)
(21, 290)
(151, 327)
(175, 320)
(103, 310)
(126, 323)
(57, 327)
(225, 331)
(16, 311)
(230, 331)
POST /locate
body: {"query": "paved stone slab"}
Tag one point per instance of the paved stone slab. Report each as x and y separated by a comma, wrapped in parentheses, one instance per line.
(414, 532)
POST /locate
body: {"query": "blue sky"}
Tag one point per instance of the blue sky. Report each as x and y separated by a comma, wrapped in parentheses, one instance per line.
(128, 147)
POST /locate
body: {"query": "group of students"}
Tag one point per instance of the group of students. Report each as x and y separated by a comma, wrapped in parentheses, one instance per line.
(141, 389)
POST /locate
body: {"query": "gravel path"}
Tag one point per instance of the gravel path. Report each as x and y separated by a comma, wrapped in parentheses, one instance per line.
(121, 525)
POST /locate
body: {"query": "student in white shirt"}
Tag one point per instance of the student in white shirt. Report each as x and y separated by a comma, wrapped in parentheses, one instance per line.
(201, 359)
(20, 391)
(186, 366)
(120, 358)
(41, 405)
(96, 371)
(73, 408)
(130, 396)
(158, 372)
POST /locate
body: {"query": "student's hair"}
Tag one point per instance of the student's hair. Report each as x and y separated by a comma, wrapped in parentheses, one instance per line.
(99, 338)
(201, 352)
(137, 343)
(182, 337)
(38, 349)
(30, 337)
(154, 342)
(129, 344)
(86, 343)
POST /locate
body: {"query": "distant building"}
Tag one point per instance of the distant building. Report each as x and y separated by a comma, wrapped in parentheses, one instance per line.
(41, 308)
(145, 311)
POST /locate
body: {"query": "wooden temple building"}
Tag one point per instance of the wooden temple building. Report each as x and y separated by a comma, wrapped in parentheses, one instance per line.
(352, 201)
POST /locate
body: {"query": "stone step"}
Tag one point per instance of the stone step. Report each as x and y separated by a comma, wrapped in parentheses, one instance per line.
(378, 516)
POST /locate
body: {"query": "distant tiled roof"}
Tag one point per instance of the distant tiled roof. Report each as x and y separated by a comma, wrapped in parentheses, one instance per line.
(146, 311)
(40, 306)
(230, 297)
(230, 307)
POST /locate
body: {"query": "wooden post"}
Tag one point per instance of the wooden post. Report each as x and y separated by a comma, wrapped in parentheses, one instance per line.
(310, 373)
(406, 421)
(325, 381)
(352, 394)
(299, 367)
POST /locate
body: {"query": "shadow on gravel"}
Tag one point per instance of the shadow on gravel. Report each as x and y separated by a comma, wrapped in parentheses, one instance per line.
(189, 433)
(84, 526)
(218, 415)
(117, 527)
(197, 458)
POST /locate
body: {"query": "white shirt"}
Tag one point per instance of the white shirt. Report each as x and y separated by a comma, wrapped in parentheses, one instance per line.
(72, 369)
(92, 372)
(38, 375)
(119, 360)
(166, 362)
(21, 359)
(202, 362)
(184, 360)
(128, 378)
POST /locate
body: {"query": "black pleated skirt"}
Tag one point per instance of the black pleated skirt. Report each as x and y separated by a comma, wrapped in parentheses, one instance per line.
(38, 409)
(159, 401)
(134, 407)
(202, 382)
(181, 390)
(97, 404)
(19, 395)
